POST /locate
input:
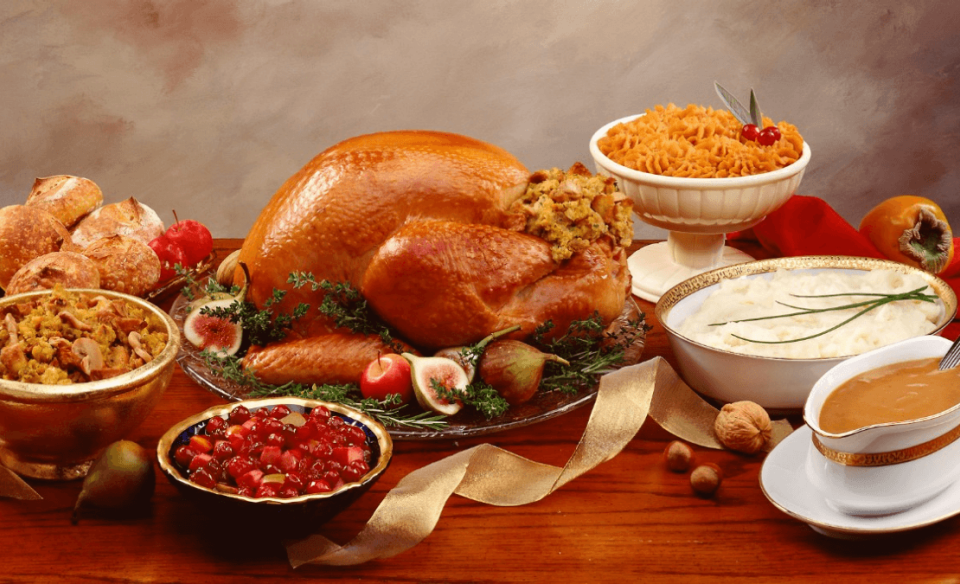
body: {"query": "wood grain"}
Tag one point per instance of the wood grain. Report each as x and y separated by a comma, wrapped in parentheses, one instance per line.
(629, 519)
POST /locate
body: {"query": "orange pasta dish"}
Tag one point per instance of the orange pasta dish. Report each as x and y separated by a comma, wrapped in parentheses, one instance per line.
(697, 142)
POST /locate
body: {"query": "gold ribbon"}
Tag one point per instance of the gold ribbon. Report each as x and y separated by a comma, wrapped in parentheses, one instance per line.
(491, 475)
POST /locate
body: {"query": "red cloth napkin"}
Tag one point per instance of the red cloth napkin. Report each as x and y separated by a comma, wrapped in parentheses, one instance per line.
(809, 226)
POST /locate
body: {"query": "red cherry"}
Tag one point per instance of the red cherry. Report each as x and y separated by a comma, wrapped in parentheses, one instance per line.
(750, 132)
(193, 237)
(170, 254)
(768, 136)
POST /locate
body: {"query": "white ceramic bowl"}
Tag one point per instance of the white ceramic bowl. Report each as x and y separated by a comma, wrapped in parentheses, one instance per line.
(884, 468)
(698, 212)
(701, 205)
(778, 384)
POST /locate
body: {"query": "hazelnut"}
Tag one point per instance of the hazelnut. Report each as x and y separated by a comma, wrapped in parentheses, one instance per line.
(705, 479)
(743, 426)
(678, 456)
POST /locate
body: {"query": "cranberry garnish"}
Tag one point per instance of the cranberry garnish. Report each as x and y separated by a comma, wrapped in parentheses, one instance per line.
(350, 473)
(203, 478)
(321, 413)
(245, 491)
(275, 439)
(239, 415)
(200, 444)
(223, 450)
(321, 450)
(750, 132)
(262, 413)
(288, 493)
(335, 422)
(216, 426)
(355, 435)
(318, 486)
(183, 455)
(268, 490)
(251, 479)
(768, 136)
(199, 461)
(293, 480)
(279, 411)
(239, 466)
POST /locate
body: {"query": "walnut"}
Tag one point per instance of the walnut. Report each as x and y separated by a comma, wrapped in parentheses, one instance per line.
(743, 426)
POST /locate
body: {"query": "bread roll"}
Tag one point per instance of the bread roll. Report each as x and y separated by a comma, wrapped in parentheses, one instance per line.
(125, 264)
(27, 233)
(68, 198)
(71, 269)
(129, 218)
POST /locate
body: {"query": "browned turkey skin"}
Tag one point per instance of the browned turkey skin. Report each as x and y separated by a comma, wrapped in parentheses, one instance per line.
(417, 222)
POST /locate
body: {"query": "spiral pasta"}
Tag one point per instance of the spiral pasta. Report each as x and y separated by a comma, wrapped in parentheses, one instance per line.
(696, 142)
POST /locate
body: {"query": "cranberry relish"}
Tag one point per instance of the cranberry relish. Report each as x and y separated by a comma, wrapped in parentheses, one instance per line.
(274, 452)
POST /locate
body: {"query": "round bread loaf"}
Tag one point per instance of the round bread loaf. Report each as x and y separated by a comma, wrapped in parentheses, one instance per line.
(27, 233)
(125, 264)
(129, 218)
(68, 198)
(70, 269)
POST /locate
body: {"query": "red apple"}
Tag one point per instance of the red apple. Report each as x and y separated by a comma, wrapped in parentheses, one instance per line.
(193, 237)
(170, 254)
(385, 375)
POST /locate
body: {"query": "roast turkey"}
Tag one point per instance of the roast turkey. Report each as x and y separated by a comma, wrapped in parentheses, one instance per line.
(421, 223)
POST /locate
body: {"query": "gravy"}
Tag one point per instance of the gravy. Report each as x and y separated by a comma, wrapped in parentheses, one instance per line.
(892, 393)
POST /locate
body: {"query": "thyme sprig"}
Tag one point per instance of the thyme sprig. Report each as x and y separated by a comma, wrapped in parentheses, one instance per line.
(348, 308)
(478, 395)
(881, 299)
(389, 411)
(591, 352)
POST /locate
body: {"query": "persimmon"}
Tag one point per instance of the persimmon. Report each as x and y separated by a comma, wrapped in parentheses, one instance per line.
(912, 230)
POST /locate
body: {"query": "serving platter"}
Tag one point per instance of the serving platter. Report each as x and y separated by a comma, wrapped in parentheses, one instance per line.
(543, 406)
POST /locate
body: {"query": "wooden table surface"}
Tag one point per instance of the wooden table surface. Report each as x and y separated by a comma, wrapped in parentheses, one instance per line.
(627, 520)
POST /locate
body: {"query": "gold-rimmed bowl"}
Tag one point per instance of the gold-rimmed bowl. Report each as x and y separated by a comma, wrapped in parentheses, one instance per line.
(297, 515)
(778, 384)
(57, 431)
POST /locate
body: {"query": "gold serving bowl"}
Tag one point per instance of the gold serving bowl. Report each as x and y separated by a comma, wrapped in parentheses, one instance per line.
(57, 431)
(776, 383)
(296, 515)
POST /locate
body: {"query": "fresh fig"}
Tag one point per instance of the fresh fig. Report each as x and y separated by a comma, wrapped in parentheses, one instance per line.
(122, 478)
(460, 354)
(514, 369)
(215, 334)
(447, 372)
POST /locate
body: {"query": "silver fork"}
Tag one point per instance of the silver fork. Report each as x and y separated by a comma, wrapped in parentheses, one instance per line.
(952, 358)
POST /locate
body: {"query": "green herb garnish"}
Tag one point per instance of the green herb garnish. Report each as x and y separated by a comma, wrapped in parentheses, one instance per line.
(868, 305)
(590, 351)
(388, 411)
(477, 395)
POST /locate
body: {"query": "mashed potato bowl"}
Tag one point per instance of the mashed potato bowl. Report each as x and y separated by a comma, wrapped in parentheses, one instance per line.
(780, 384)
(57, 431)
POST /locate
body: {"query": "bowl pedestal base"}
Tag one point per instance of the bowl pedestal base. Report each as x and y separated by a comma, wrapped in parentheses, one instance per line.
(658, 267)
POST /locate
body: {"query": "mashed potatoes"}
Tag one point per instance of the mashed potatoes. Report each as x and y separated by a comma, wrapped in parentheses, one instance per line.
(745, 298)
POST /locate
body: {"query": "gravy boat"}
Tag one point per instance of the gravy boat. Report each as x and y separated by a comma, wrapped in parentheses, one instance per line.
(889, 467)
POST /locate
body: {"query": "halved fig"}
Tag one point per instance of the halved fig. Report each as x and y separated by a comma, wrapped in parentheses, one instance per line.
(215, 334)
(426, 370)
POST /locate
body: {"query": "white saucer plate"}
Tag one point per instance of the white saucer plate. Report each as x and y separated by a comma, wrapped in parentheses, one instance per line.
(784, 481)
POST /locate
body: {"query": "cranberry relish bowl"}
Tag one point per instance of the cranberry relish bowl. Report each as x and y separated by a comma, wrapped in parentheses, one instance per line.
(280, 461)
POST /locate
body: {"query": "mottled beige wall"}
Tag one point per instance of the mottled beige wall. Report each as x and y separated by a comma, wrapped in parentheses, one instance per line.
(207, 106)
